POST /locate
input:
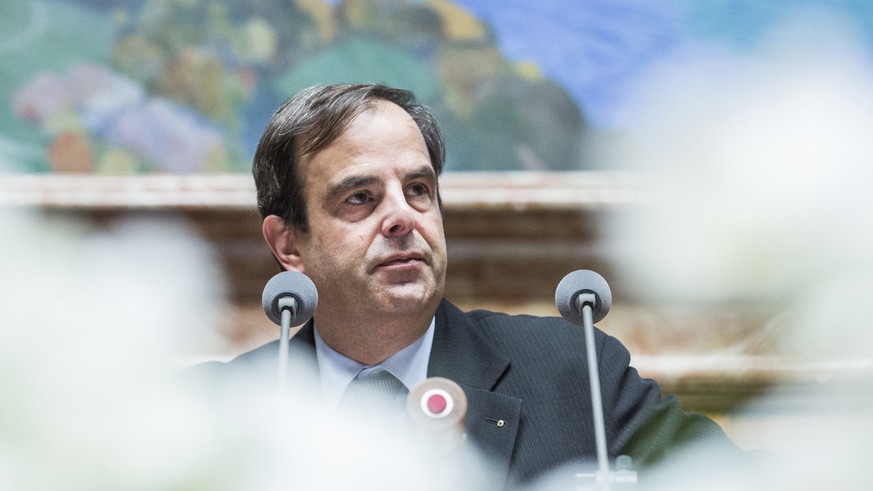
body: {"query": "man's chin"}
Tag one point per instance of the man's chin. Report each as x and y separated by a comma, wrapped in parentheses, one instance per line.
(408, 299)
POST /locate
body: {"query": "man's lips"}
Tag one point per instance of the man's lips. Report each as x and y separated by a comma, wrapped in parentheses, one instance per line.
(400, 260)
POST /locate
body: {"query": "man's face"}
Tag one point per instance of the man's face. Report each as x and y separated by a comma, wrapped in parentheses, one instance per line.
(375, 243)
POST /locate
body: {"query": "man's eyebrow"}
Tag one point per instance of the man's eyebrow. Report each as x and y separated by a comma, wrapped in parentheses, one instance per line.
(422, 172)
(355, 182)
(350, 183)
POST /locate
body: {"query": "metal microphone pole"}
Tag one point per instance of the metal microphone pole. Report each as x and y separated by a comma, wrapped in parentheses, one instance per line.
(288, 306)
(585, 303)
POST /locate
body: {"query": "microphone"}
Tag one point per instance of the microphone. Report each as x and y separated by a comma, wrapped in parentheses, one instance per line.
(573, 290)
(290, 290)
(583, 297)
(289, 298)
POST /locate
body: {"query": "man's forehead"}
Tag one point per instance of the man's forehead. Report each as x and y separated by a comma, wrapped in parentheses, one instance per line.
(376, 173)
(355, 139)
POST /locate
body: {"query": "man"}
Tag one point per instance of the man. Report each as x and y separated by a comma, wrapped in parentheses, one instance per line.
(347, 189)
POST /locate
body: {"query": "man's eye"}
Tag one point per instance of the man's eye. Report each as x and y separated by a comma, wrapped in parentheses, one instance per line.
(418, 190)
(358, 198)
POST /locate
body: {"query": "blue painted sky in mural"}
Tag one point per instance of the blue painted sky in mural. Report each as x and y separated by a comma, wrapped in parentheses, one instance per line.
(593, 48)
(598, 49)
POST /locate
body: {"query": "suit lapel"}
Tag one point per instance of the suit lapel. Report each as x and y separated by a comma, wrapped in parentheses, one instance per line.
(462, 354)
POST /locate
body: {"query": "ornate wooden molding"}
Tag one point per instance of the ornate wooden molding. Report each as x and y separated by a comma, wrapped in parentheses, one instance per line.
(460, 191)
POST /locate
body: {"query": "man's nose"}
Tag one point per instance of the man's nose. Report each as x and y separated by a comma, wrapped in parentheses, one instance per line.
(399, 216)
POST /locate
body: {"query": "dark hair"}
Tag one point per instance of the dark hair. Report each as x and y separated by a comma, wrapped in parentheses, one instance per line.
(310, 121)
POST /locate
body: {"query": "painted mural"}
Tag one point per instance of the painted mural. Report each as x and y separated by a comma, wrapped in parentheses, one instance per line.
(186, 86)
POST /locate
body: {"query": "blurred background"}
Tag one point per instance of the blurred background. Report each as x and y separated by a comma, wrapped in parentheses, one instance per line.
(711, 159)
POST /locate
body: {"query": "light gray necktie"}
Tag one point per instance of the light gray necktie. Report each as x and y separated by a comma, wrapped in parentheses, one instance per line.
(372, 395)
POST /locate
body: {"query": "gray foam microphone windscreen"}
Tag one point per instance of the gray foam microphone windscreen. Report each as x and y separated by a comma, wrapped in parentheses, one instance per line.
(582, 281)
(295, 284)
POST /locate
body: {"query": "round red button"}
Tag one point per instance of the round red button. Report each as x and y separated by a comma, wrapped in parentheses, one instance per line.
(436, 404)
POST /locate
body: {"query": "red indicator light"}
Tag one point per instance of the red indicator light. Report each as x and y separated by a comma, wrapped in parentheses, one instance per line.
(436, 404)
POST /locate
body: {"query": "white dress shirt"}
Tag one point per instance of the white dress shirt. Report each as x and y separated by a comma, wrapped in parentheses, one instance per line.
(336, 370)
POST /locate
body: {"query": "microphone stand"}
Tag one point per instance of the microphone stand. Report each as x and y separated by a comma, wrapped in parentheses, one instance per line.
(287, 305)
(585, 303)
(604, 478)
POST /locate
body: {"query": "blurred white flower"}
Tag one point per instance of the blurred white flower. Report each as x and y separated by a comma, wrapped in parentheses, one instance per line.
(94, 322)
(760, 172)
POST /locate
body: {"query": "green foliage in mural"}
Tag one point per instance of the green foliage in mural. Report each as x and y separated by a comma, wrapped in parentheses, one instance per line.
(131, 86)
(362, 61)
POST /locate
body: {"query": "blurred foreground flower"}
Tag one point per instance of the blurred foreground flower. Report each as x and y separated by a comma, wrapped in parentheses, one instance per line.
(759, 173)
(94, 323)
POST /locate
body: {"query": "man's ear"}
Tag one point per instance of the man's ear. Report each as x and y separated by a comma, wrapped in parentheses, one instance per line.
(282, 239)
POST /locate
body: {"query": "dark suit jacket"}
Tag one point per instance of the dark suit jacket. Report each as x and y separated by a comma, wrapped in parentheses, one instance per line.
(530, 372)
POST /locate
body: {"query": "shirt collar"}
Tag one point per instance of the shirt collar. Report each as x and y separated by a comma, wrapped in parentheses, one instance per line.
(336, 370)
